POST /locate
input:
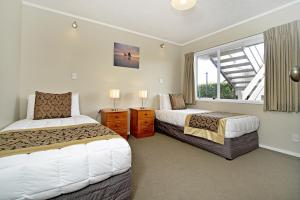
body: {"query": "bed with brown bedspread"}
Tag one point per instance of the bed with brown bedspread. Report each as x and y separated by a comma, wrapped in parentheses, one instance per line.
(232, 147)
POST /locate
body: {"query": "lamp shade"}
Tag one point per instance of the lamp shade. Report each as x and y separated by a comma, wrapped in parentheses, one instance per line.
(183, 4)
(114, 93)
(143, 94)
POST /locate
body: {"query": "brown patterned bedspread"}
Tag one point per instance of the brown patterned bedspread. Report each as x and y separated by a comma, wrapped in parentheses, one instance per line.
(39, 139)
(209, 121)
(210, 125)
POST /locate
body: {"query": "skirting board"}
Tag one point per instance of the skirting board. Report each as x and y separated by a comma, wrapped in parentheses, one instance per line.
(280, 150)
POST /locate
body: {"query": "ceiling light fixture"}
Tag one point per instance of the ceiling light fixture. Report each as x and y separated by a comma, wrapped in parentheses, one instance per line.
(74, 25)
(183, 4)
(162, 45)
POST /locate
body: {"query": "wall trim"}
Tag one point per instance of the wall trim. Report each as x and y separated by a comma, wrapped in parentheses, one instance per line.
(280, 150)
(243, 22)
(26, 3)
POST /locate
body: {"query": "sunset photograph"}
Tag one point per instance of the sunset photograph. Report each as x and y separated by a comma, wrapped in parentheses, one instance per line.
(126, 55)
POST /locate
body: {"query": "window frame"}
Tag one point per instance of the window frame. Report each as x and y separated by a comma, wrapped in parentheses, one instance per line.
(256, 39)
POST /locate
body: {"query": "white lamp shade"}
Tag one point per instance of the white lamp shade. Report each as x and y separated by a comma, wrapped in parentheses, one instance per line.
(183, 4)
(143, 94)
(114, 93)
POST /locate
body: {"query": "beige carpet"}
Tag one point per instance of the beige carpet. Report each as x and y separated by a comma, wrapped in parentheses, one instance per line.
(167, 169)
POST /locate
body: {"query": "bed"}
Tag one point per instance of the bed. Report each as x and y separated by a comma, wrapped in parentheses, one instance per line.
(240, 133)
(99, 169)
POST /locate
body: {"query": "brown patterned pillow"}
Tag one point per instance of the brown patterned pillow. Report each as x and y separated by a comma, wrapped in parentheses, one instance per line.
(177, 101)
(48, 106)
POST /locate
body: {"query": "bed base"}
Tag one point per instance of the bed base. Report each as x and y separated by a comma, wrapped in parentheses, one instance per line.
(117, 187)
(232, 148)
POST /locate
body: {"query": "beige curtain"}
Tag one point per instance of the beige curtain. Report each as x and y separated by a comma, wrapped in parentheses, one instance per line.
(281, 54)
(189, 79)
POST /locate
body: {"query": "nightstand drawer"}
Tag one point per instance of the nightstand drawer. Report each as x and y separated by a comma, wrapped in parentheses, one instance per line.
(145, 114)
(120, 131)
(119, 124)
(116, 116)
(146, 122)
(147, 128)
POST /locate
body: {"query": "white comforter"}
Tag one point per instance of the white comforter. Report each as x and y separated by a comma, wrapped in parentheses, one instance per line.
(46, 174)
(235, 127)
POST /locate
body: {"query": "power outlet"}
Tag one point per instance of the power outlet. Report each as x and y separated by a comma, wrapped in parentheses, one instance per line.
(74, 76)
(161, 80)
(295, 137)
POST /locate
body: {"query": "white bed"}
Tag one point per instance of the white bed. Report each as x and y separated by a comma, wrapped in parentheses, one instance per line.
(240, 133)
(234, 127)
(46, 174)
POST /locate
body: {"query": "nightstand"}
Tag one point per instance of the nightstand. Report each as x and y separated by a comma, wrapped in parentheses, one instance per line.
(141, 122)
(115, 120)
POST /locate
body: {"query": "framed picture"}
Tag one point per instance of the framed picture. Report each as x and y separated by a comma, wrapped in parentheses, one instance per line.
(126, 56)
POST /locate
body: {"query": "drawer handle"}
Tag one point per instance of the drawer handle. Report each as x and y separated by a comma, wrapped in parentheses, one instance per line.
(116, 116)
(146, 114)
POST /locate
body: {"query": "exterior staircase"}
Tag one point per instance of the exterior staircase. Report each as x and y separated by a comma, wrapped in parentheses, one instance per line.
(243, 69)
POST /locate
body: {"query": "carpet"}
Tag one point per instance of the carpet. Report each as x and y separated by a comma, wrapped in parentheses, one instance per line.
(167, 169)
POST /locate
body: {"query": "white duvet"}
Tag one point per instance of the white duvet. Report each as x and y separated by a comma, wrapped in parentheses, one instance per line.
(235, 127)
(46, 174)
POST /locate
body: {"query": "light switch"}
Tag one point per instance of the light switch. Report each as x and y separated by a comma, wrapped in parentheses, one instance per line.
(161, 81)
(74, 76)
(295, 137)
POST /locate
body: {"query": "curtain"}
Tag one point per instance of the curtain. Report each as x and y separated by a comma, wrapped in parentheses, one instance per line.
(281, 54)
(189, 79)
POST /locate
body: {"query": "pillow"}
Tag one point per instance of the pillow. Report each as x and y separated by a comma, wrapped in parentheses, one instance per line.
(75, 105)
(177, 101)
(74, 109)
(49, 106)
(164, 102)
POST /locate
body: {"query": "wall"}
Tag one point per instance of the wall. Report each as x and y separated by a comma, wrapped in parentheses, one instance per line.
(276, 128)
(52, 50)
(10, 20)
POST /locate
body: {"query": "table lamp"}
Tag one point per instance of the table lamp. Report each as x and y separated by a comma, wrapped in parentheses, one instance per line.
(143, 95)
(114, 94)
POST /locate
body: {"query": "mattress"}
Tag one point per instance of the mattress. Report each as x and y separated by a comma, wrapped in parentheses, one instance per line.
(46, 174)
(235, 127)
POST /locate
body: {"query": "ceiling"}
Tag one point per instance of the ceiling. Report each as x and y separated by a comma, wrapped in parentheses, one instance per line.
(156, 18)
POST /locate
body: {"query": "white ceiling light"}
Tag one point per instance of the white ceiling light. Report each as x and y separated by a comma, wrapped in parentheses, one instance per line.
(183, 4)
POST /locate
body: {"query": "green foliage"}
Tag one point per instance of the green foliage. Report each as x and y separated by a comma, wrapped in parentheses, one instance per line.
(227, 91)
(211, 90)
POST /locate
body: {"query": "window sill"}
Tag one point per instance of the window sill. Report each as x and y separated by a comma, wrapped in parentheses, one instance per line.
(230, 101)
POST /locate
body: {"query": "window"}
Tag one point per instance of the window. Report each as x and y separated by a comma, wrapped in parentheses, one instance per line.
(232, 71)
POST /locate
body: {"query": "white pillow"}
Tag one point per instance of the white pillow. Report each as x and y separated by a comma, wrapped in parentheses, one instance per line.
(74, 108)
(164, 102)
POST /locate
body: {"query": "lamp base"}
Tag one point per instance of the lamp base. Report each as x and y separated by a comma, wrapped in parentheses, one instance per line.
(142, 108)
(114, 109)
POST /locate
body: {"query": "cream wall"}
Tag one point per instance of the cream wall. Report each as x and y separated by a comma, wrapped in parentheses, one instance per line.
(10, 25)
(276, 128)
(52, 50)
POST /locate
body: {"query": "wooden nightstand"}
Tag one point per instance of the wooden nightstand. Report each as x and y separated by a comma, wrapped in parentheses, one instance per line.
(115, 120)
(141, 122)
